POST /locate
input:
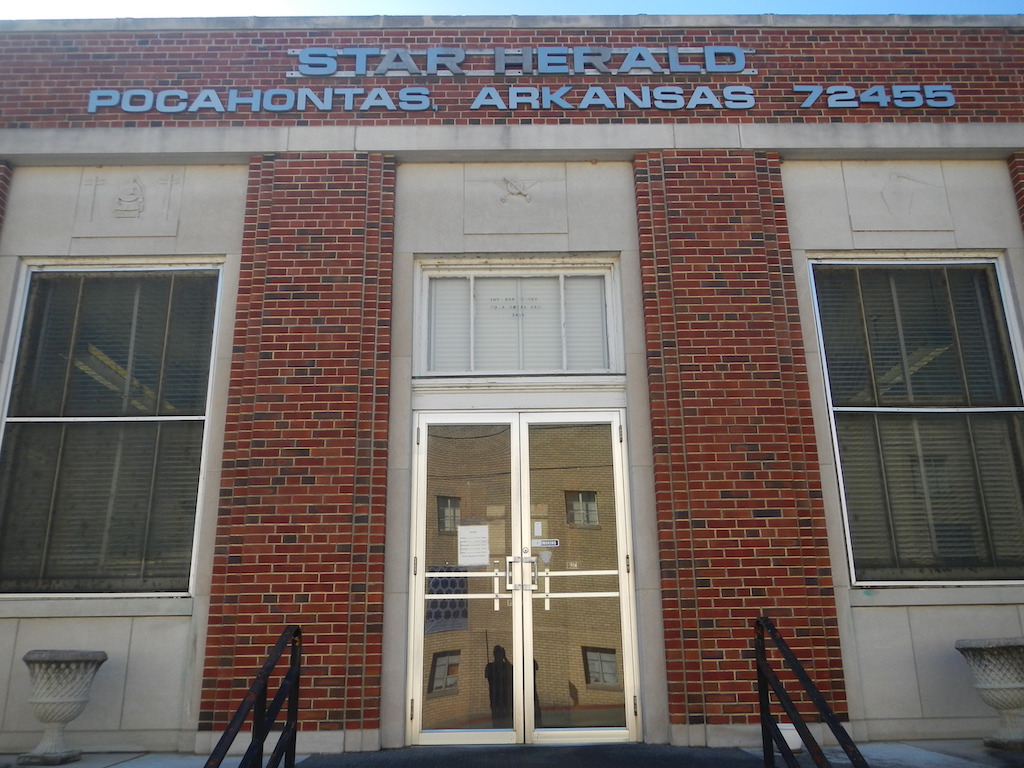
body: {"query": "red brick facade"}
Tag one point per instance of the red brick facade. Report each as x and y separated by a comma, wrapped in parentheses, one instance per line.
(301, 529)
(739, 505)
(301, 524)
(47, 77)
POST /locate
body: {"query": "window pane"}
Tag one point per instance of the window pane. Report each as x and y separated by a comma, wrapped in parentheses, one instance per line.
(449, 325)
(189, 345)
(914, 336)
(585, 323)
(843, 334)
(98, 507)
(541, 310)
(982, 331)
(133, 344)
(507, 324)
(934, 496)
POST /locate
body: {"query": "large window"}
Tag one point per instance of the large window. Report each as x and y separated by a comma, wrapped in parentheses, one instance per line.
(548, 321)
(100, 463)
(928, 419)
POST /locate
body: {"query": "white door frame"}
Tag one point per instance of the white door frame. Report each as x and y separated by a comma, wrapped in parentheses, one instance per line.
(522, 572)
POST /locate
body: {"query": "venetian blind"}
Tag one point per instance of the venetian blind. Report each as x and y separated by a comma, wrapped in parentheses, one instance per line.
(102, 449)
(509, 324)
(928, 420)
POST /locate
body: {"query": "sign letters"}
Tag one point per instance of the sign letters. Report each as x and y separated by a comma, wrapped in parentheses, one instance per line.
(325, 82)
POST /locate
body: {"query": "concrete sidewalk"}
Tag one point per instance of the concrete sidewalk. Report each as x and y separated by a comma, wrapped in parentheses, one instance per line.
(916, 754)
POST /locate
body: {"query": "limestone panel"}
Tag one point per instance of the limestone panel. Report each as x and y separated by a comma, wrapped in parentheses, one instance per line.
(816, 206)
(160, 655)
(506, 199)
(601, 207)
(136, 210)
(428, 203)
(897, 196)
(8, 634)
(884, 644)
(77, 634)
(944, 679)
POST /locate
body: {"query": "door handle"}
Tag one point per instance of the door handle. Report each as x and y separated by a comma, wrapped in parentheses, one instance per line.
(510, 583)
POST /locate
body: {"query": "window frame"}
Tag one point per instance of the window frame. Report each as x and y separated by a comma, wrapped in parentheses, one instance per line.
(598, 265)
(11, 348)
(1008, 305)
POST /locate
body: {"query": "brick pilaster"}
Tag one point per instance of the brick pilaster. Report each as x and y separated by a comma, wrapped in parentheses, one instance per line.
(740, 518)
(301, 526)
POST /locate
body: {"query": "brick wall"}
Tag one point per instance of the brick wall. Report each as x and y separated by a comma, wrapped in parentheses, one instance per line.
(48, 76)
(301, 524)
(740, 517)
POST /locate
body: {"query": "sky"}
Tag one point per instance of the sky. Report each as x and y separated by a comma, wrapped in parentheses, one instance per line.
(107, 9)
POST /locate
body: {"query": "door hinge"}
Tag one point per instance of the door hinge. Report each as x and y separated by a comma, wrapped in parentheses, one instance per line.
(636, 711)
(627, 563)
(620, 433)
(417, 435)
(415, 566)
(412, 708)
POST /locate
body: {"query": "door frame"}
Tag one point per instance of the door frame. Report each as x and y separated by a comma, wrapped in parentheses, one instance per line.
(519, 421)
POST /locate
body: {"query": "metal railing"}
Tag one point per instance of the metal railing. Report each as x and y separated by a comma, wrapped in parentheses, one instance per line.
(264, 717)
(768, 682)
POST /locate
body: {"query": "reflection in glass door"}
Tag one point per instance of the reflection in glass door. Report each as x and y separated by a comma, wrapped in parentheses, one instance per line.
(522, 606)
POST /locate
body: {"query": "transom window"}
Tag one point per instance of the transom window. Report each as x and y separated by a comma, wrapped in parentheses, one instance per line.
(104, 431)
(928, 419)
(545, 320)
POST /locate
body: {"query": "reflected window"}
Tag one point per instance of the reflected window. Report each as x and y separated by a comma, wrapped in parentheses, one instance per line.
(448, 513)
(600, 667)
(444, 671)
(581, 508)
(446, 614)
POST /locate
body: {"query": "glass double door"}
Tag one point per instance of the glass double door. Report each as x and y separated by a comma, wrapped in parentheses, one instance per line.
(522, 607)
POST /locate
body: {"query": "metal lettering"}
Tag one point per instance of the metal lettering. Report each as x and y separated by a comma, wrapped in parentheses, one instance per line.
(449, 58)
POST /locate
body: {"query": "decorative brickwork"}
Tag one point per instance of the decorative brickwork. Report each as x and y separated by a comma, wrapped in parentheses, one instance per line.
(48, 76)
(301, 526)
(740, 518)
(1016, 162)
(5, 188)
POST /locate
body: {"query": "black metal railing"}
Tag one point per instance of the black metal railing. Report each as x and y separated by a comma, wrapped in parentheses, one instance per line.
(264, 716)
(768, 682)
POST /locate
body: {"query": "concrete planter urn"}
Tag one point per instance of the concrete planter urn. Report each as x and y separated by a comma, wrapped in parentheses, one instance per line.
(998, 669)
(60, 690)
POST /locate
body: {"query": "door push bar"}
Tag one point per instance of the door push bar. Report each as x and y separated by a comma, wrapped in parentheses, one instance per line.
(509, 580)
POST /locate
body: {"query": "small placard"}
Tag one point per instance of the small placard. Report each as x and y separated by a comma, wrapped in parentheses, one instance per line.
(474, 545)
(541, 543)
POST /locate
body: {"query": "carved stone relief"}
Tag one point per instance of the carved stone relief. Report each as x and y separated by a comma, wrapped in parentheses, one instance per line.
(897, 197)
(515, 199)
(129, 202)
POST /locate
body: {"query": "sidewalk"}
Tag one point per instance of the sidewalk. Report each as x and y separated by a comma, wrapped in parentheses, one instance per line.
(916, 754)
